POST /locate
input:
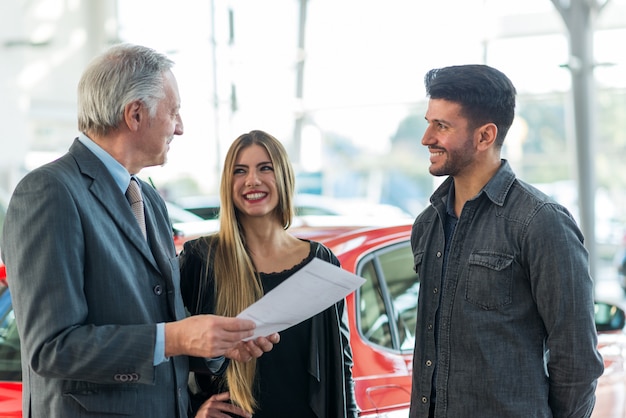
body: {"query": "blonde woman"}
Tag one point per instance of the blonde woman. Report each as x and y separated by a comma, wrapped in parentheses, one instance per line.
(309, 373)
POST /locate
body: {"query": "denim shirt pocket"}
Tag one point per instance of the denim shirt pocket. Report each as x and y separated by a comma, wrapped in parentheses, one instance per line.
(489, 280)
(417, 262)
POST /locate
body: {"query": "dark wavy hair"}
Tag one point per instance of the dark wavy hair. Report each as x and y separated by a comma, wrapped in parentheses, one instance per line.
(485, 94)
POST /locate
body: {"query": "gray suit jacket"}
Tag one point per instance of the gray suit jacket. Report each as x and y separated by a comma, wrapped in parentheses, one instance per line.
(88, 290)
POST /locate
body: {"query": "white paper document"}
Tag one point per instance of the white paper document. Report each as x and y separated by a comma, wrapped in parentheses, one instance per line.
(312, 289)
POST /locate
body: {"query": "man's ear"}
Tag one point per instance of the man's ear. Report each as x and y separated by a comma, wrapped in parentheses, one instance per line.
(133, 115)
(487, 134)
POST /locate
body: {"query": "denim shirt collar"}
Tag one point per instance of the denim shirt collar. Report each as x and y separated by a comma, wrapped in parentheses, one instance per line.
(496, 188)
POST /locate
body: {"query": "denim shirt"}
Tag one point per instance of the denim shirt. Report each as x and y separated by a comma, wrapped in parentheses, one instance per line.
(510, 329)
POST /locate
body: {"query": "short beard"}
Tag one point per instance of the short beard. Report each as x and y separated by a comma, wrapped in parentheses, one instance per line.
(456, 161)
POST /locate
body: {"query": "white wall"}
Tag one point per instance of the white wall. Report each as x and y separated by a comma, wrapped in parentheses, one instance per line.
(44, 46)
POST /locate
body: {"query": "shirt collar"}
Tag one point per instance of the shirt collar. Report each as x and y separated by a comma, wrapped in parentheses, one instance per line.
(117, 170)
(496, 188)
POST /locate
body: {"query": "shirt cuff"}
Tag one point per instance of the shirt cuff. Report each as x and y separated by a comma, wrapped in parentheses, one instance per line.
(159, 346)
(215, 364)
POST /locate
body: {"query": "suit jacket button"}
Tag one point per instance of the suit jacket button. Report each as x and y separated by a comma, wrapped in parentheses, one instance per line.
(158, 290)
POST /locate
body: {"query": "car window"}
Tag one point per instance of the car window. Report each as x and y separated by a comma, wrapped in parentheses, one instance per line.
(209, 212)
(10, 367)
(373, 320)
(390, 291)
(314, 211)
(178, 214)
(402, 286)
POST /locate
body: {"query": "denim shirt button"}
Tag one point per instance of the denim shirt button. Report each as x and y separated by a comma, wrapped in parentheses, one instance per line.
(435, 290)
(424, 399)
(439, 254)
(430, 326)
(429, 363)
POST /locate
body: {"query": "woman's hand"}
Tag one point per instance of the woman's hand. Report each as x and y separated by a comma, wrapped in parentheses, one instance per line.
(217, 406)
(244, 351)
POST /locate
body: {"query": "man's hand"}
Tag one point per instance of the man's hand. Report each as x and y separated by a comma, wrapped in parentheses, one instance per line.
(247, 350)
(217, 406)
(209, 336)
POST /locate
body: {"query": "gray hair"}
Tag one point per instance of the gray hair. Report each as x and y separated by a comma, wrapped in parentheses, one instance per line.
(121, 75)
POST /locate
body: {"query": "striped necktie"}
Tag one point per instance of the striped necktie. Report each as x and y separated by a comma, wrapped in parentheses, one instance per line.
(133, 194)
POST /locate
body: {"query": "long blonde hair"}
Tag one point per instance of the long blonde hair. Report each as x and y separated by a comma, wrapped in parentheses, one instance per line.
(237, 285)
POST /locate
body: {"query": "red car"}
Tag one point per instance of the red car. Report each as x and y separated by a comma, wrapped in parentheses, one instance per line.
(382, 323)
(381, 312)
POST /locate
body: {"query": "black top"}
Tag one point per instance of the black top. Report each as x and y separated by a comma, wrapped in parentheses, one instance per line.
(307, 374)
(281, 372)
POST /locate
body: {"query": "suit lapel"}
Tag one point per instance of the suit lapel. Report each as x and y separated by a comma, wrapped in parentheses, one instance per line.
(155, 238)
(163, 250)
(105, 190)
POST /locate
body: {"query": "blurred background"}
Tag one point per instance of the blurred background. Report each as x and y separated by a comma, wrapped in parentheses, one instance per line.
(340, 83)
